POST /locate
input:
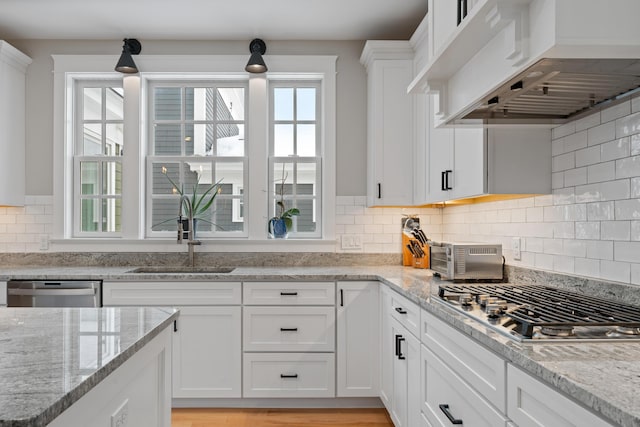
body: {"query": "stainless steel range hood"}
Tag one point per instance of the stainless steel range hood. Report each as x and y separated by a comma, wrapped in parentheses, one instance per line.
(556, 90)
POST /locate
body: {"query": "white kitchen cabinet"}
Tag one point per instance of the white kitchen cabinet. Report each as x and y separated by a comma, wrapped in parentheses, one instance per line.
(207, 344)
(443, 27)
(530, 403)
(470, 162)
(447, 399)
(3, 293)
(390, 122)
(206, 352)
(358, 339)
(13, 67)
(400, 360)
(288, 293)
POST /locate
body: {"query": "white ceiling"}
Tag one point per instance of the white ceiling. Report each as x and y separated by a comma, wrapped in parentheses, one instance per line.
(210, 19)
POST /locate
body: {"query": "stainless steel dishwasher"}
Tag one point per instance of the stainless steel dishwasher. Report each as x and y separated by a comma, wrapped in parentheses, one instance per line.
(54, 293)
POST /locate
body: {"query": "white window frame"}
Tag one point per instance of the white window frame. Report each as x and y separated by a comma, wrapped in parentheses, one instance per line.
(70, 67)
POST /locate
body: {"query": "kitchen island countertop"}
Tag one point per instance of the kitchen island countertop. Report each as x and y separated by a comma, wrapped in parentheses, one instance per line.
(51, 357)
(603, 376)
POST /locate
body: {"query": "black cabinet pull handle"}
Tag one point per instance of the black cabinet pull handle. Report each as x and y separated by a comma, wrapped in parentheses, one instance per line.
(175, 326)
(445, 408)
(288, 294)
(401, 310)
(341, 298)
(288, 375)
(288, 329)
(398, 344)
(379, 191)
(442, 185)
(400, 355)
(447, 187)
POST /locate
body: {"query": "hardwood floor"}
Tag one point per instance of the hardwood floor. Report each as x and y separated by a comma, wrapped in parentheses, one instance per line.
(206, 417)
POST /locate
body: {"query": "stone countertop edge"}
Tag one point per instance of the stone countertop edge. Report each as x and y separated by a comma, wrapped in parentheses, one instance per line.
(418, 286)
(57, 408)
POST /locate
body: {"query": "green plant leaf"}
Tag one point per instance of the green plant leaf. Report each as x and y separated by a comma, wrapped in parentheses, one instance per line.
(288, 222)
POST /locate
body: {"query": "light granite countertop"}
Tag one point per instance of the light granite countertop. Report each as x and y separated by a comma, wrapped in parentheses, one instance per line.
(602, 376)
(51, 357)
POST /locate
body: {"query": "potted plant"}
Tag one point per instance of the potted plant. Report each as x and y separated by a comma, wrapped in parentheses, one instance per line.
(200, 202)
(280, 224)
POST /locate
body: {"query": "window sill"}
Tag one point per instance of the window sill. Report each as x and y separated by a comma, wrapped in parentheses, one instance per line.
(170, 245)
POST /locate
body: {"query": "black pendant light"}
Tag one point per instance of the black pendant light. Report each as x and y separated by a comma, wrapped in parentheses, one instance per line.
(126, 64)
(256, 64)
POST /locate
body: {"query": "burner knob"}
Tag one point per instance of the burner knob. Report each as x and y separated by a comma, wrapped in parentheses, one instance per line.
(494, 310)
(465, 299)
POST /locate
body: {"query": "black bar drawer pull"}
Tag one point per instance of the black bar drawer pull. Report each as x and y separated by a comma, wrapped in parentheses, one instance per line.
(443, 187)
(398, 344)
(288, 329)
(401, 310)
(341, 298)
(288, 294)
(175, 326)
(379, 191)
(400, 355)
(445, 408)
(288, 375)
(447, 186)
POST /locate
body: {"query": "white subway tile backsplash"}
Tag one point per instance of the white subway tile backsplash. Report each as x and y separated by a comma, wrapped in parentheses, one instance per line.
(616, 271)
(578, 176)
(588, 230)
(564, 196)
(635, 145)
(534, 244)
(635, 230)
(635, 104)
(563, 264)
(599, 249)
(588, 122)
(575, 248)
(557, 180)
(601, 172)
(587, 267)
(600, 211)
(557, 147)
(544, 261)
(615, 230)
(635, 274)
(587, 193)
(628, 125)
(616, 111)
(616, 149)
(627, 209)
(588, 156)
(563, 162)
(602, 133)
(627, 251)
(577, 141)
(553, 246)
(614, 190)
(564, 230)
(563, 130)
(629, 167)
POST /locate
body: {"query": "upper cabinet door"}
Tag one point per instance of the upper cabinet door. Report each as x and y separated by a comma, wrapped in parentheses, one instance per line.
(469, 160)
(390, 123)
(13, 66)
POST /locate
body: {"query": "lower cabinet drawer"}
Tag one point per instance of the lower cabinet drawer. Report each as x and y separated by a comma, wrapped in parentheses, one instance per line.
(280, 329)
(447, 399)
(289, 375)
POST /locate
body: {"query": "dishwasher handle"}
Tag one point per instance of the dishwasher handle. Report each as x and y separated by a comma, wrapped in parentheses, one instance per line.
(51, 292)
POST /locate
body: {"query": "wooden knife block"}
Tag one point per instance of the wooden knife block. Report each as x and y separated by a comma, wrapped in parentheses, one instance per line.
(408, 260)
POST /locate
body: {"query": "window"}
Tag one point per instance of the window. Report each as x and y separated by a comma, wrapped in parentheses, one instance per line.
(295, 153)
(122, 142)
(98, 153)
(196, 139)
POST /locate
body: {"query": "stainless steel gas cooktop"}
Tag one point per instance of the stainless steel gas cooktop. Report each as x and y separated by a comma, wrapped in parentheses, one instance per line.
(542, 313)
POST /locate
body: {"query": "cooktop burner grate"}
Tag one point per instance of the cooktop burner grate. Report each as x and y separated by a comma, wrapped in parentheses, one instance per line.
(536, 305)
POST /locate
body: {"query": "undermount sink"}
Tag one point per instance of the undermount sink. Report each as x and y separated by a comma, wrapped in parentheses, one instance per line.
(179, 269)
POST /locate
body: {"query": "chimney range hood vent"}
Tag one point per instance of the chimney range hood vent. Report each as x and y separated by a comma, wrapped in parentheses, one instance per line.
(557, 90)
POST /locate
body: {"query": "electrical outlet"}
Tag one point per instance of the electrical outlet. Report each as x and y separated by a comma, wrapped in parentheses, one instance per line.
(120, 418)
(44, 242)
(515, 248)
(351, 242)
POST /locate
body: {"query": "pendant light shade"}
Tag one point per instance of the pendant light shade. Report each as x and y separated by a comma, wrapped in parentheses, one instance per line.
(125, 63)
(256, 64)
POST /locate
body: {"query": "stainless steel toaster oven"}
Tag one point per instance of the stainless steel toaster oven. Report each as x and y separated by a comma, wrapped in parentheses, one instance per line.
(466, 261)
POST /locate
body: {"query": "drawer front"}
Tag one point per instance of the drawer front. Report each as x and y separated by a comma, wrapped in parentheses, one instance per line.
(406, 312)
(171, 293)
(534, 404)
(481, 368)
(289, 293)
(289, 375)
(289, 329)
(443, 392)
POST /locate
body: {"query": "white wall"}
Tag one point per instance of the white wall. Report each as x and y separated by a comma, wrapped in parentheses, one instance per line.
(351, 98)
(590, 226)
